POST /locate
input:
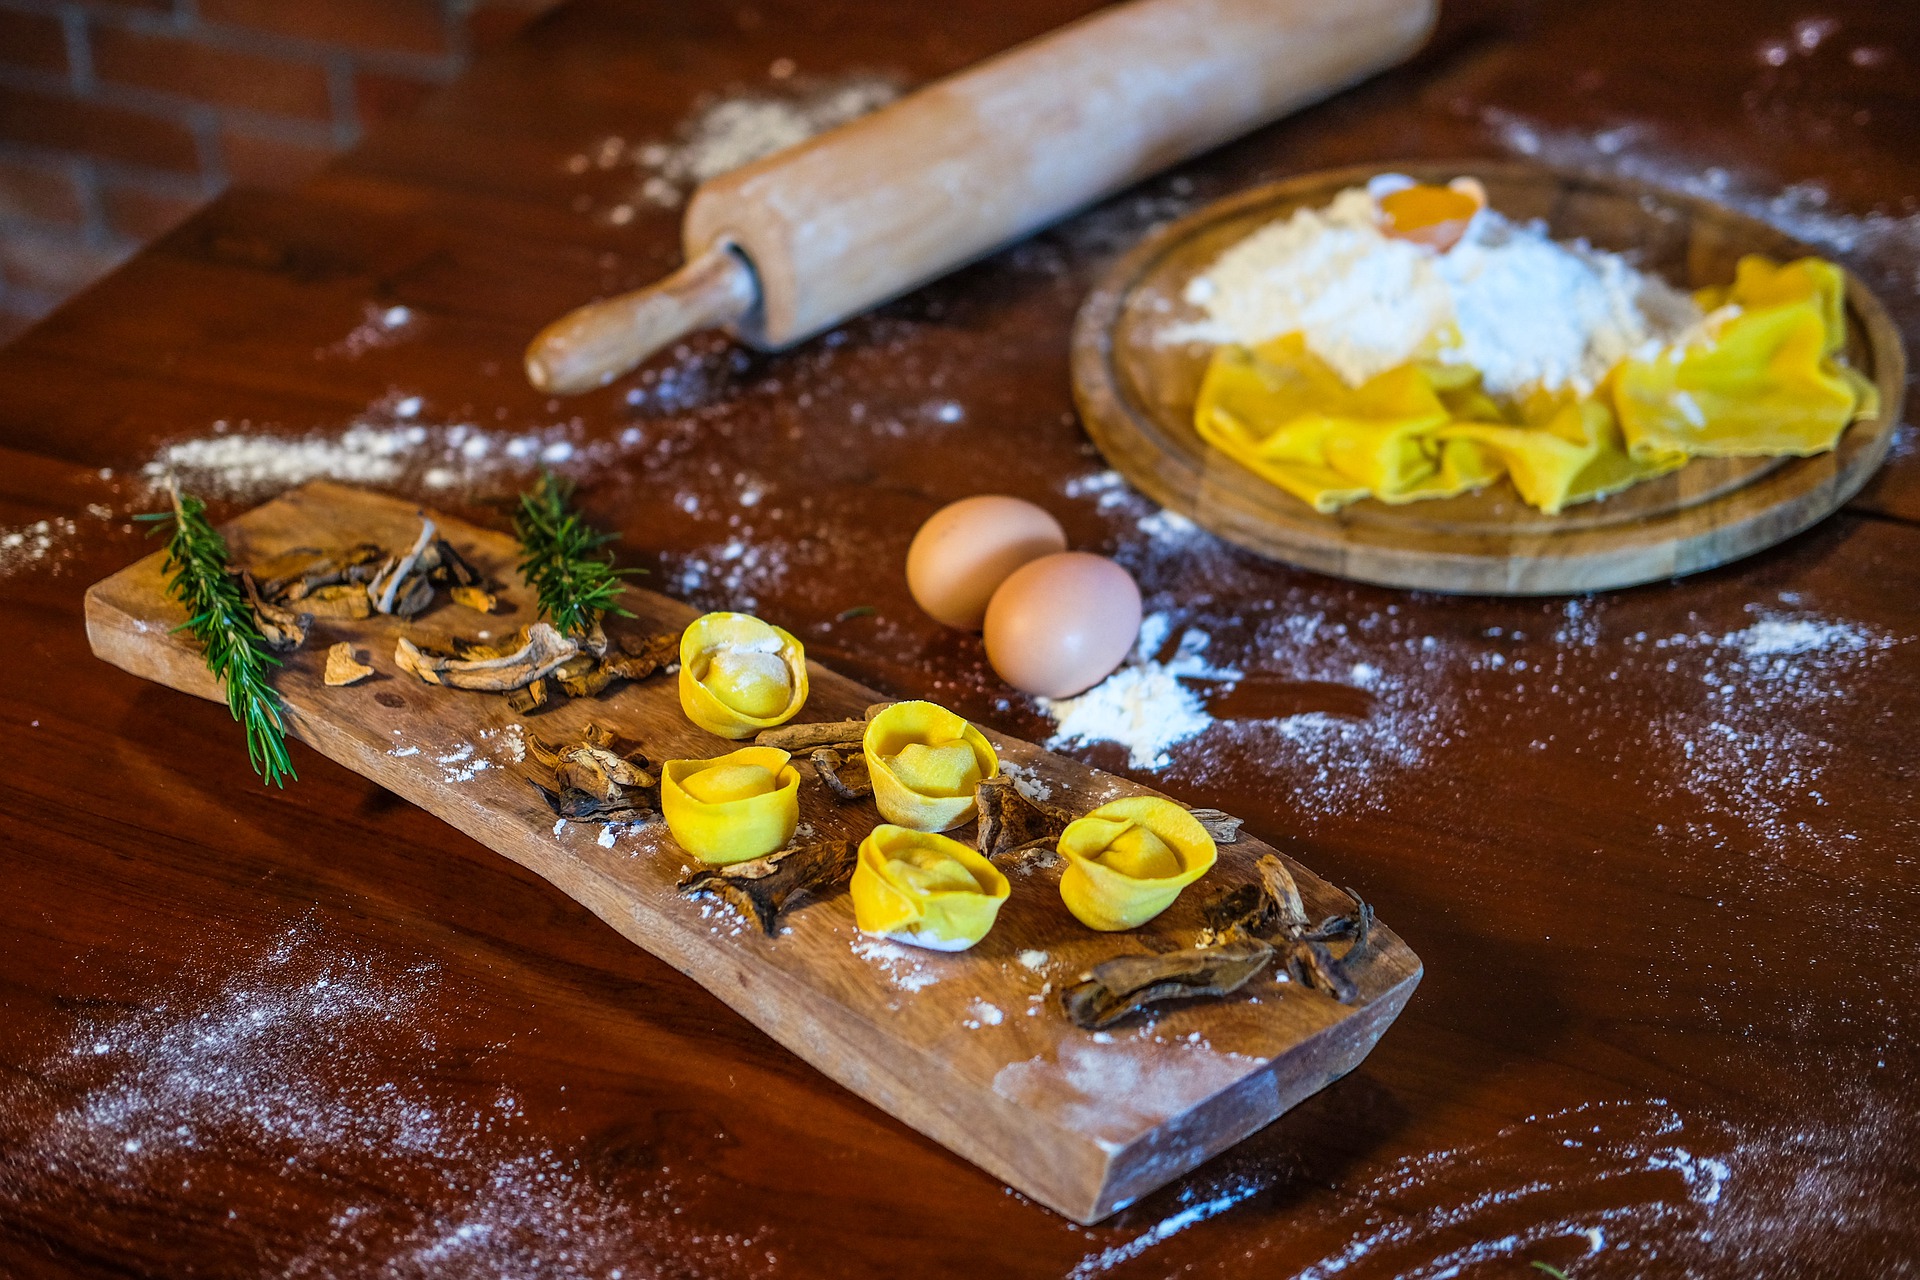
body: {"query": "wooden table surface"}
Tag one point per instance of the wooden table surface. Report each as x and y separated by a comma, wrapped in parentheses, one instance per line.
(1657, 848)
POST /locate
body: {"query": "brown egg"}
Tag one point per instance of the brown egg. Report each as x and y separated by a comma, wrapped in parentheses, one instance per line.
(1060, 625)
(966, 549)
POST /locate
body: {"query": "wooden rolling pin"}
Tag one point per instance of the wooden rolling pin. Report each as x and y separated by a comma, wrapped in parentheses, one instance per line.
(800, 241)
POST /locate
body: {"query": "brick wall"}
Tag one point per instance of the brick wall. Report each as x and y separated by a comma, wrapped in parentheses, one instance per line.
(120, 117)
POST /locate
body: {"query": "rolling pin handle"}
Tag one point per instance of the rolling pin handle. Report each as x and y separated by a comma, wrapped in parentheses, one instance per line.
(592, 345)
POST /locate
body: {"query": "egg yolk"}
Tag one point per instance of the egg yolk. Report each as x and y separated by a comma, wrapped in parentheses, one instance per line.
(1139, 853)
(754, 684)
(730, 782)
(1433, 216)
(929, 871)
(938, 769)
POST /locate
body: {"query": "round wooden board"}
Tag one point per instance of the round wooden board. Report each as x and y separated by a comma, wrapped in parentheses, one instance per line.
(1136, 393)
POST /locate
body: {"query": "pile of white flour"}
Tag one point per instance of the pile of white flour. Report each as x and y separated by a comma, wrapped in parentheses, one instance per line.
(1523, 309)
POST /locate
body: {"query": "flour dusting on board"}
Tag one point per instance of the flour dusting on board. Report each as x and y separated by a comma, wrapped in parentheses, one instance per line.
(1118, 1091)
(306, 1073)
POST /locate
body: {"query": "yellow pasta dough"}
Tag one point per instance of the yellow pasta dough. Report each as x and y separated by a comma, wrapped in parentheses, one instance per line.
(925, 762)
(1129, 859)
(1767, 377)
(739, 675)
(925, 889)
(742, 805)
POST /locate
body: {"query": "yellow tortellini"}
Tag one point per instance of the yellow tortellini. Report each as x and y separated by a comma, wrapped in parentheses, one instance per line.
(1129, 859)
(742, 805)
(925, 762)
(925, 889)
(739, 675)
(1767, 378)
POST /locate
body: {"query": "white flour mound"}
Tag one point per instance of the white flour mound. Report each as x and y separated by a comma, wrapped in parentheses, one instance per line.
(1143, 706)
(1508, 300)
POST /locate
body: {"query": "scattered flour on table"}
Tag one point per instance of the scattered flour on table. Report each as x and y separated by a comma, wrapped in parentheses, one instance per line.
(273, 1072)
(234, 462)
(728, 133)
(1613, 1187)
(34, 544)
(380, 326)
(1143, 706)
(1742, 730)
(1522, 308)
(1884, 248)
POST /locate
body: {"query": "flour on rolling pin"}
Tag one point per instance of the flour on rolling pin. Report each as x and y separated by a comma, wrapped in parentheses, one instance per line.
(796, 243)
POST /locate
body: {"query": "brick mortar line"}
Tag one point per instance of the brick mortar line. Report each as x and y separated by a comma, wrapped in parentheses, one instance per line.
(174, 108)
(238, 39)
(163, 182)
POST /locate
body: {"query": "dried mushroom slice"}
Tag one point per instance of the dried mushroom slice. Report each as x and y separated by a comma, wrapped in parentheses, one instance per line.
(299, 574)
(543, 650)
(1272, 911)
(282, 628)
(343, 667)
(804, 737)
(1222, 826)
(1129, 984)
(339, 600)
(846, 776)
(478, 599)
(1010, 819)
(594, 782)
(762, 887)
(402, 585)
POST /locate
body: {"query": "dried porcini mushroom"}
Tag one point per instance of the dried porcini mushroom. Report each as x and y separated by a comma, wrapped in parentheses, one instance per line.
(593, 781)
(403, 585)
(283, 629)
(478, 599)
(343, 667)
(1011, 820)
(845, 775)
(1273, 911)
(542, 650)
(762, 887)
(1246, 927)
(1222, 826)
(1129, 984)
(340, 600)
(803, 737)
(300, 573)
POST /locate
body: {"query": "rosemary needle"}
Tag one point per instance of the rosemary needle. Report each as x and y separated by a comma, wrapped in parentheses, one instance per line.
(574, 583)
(199, 576)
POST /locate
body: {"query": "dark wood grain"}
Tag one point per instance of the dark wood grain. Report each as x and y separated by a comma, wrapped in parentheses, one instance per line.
(1667, 928)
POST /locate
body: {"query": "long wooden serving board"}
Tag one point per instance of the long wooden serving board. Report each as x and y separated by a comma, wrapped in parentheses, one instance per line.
(969, 1048)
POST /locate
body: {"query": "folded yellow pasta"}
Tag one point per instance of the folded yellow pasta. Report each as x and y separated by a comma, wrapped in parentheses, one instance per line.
(925, 762)
(742, 805)
(925, 889)
(1129, 859)
(739, 675)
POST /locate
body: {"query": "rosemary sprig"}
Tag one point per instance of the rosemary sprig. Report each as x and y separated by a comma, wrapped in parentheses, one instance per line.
(199, 576)
(574, 583)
